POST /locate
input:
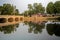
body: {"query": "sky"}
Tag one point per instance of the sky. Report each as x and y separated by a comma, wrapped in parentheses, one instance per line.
(22, 5)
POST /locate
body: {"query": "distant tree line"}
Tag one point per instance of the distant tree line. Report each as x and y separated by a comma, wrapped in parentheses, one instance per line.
(36, 8)
(8, 9)
(52, 8)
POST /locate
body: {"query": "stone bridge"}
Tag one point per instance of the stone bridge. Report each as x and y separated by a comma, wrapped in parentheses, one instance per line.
(12, 19)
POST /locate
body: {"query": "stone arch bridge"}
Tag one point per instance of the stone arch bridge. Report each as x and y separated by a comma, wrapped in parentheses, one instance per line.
(12, 19)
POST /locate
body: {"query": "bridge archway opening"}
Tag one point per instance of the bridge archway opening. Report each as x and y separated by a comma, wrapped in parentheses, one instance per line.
(10, 19)
(21, 18)
(3, 20)
(16, 19)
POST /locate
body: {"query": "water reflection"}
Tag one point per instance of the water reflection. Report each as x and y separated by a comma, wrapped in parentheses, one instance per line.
(53, 29)
(35, 27)
(8, 29)
(34, 30)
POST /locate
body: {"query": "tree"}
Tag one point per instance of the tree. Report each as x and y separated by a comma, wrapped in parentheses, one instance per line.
(41, 9)
(30, 7)
(57, 7)
(38, 8)
(50, 8)
(1, 8)
(8, 9)
(35, 9)
(25, 13)
(17, 12)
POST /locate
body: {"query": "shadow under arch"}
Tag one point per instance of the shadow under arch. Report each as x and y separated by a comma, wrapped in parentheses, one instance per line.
(3, 20)
(10, 19)
(16, 19)
(21, 18)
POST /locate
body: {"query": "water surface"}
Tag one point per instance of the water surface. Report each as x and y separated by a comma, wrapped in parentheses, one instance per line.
(31, 31)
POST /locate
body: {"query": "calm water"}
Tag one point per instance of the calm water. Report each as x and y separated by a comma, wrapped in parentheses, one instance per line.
(31, 31)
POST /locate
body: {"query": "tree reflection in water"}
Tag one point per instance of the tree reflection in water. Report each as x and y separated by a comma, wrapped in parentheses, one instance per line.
(53, 29)
(9, 29)
(35, 27)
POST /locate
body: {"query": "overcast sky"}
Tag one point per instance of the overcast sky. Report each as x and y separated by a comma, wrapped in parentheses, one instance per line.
(22, 4)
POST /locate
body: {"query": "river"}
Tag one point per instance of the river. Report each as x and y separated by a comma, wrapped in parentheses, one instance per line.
(45, 30)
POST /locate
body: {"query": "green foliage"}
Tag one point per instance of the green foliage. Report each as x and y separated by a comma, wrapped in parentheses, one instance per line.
(25, 13)
(50, 8)
(30, 6)
(8, 9)
(57, 6)
(17, 12)
(38, 8)
(34, 9)
(53, 8)
(1, 8)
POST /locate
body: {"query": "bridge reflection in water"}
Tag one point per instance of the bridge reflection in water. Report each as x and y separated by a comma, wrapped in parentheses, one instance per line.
(9, 19)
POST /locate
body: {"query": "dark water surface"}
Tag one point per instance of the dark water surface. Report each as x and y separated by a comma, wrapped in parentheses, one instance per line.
(31, 31)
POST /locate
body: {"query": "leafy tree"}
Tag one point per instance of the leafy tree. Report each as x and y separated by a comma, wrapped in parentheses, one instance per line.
(25, 13)
(30, 7)
(53, 8)
(17, 12)
(57, 7)
(8, 9)
(1, 8)
(38, 8)
(50, 8)
(35, 9)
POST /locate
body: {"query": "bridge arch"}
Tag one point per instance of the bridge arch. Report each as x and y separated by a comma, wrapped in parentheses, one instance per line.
(3, 20)
(11, 19)
(16, 19)
(21, 18)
